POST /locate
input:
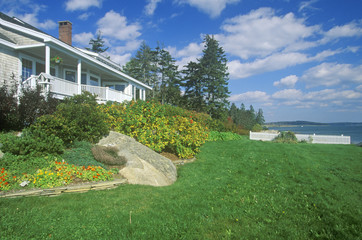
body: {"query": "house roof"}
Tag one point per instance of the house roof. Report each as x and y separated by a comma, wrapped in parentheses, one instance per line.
(99, 60)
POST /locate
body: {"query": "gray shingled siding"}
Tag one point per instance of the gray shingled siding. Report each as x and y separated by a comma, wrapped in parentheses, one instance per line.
(9, 65)
(17, 37)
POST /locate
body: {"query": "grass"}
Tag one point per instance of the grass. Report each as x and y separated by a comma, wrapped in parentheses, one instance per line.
(235, 190)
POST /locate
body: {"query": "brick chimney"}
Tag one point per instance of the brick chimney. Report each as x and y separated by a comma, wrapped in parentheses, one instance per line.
(65, 32)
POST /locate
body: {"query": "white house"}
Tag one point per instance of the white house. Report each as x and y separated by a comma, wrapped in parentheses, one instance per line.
(28, 55)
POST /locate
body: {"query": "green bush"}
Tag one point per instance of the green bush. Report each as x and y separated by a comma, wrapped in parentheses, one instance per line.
(77, 119)
(80, 154)
(257, 128)
(32, 104)
(34, 143)
(286, 137)
(223, 136)
(151, 124)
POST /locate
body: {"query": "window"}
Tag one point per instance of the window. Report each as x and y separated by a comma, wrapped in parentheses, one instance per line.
(120, 87)
(84, 79)
(70, 75)
(93, 81)
(39, 68)
(26, 69)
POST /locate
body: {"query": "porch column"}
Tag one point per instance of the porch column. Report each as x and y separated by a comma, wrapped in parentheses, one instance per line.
(47, 59)
(134, 92)
(79, 75)
(144, 94)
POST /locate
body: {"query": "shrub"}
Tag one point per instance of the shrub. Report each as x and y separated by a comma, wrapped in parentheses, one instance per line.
(80, 154)
(108, 155)
(78, 118)
(32, 104)
(34, 143)
(286, 137)
(223, 136)
(151, 124)
(257, 128)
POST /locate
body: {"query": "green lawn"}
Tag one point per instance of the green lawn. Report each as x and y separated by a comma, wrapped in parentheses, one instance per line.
(235, 190)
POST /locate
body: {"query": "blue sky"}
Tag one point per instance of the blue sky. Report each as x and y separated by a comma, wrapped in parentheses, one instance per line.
(297, 60)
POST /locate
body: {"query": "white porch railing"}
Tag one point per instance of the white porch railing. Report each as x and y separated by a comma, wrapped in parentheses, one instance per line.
(326, 139)
(62, 88)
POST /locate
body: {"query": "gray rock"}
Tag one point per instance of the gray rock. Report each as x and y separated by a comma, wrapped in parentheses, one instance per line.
(144, 166)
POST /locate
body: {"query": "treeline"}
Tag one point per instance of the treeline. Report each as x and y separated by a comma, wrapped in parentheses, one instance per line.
(247, 118)
(205, 81)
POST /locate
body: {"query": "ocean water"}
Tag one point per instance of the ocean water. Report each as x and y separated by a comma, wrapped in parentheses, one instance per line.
(352, 130)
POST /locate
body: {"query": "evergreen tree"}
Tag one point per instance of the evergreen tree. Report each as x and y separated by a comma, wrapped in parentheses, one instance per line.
(169, 78)
(194, 88)
(213, 66)
(260, 117)
(97, 44)
(143, 67)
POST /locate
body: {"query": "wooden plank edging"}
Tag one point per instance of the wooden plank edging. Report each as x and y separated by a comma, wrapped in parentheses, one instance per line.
(51, 192)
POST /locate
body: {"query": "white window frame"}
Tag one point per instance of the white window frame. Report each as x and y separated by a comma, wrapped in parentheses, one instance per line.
(33, 62)
(70, 70)
(125, 84)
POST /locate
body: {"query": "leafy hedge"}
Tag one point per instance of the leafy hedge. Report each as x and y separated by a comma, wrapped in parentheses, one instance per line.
(76, 119)
(157, 126)
(223, 136)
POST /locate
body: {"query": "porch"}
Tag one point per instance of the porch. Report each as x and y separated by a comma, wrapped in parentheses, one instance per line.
(61, 88)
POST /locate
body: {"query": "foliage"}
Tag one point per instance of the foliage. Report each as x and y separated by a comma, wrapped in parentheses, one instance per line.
(286, 137)
(214, 75)
(78, 118)
(32, 104)
(9, 118)
(80, 154)
(223, 136)
(151, 124)
(257, 128)
(108, 155)
(97, 45)
(34, 143)
(55, 174)
(246, 118)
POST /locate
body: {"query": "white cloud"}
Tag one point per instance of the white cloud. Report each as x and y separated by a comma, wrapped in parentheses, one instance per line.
(128, 47)
(329, 74)
(83, 38)
(261, 33)
(189, 53)
(255, 96)
(73, 5)
(288, 94)
(210, 7)
(288, 81)
(352, 29)
(31, 18)
(85, 16)
(119, 58)
(151, 6)
(115, 26)
(359, 88)
(307, 5)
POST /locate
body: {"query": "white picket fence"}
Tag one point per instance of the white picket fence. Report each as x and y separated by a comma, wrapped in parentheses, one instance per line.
(326, 139)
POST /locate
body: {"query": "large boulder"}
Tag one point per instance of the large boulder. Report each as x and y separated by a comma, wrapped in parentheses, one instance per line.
(143, 165)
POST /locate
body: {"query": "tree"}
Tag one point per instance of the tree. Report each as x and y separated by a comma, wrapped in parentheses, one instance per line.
(260, 117)
(214, 76)
(143, 67)
(97, 44)
(169, 78)
(194, 88)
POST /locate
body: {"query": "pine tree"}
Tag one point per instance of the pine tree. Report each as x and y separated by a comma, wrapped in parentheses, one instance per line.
(214, 76)
(260, 117)
(169, 78)
(194, 88)
(143, 67)
(97, 44)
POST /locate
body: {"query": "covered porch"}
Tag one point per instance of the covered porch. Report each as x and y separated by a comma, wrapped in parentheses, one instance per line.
(77, 71)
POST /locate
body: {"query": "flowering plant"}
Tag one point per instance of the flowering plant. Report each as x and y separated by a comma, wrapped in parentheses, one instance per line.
(56, 59)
